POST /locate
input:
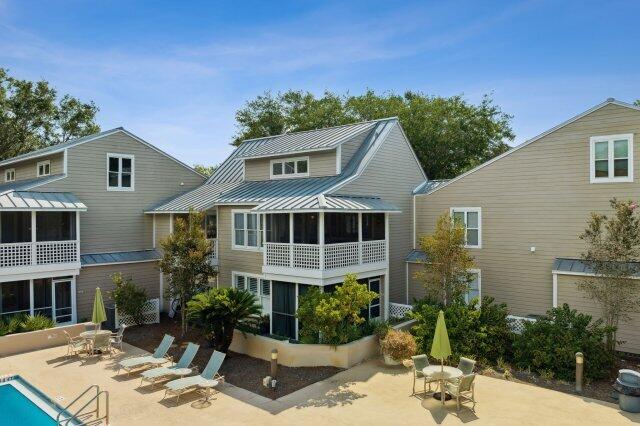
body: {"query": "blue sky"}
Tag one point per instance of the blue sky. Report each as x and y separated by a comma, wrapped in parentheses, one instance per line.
(175, 72)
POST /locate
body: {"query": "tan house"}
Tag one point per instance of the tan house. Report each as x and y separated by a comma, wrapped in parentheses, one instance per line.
(303, 209)
(524, 210)
(72, 214)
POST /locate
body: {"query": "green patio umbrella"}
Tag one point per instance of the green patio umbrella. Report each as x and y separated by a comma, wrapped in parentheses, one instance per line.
(99, 315)
(440, 348)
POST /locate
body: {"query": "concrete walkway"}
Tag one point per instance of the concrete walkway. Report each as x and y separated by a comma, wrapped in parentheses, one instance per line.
(364, 395)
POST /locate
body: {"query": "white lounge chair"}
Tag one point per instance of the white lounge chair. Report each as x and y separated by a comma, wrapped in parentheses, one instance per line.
(205, 382)
(157, 358)
(182, 368)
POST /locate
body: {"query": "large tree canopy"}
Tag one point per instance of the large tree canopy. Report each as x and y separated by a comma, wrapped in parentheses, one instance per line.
(449, 135)
(32, 117)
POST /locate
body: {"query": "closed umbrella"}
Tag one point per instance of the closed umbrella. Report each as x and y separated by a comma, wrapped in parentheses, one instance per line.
(99, 315)
(440, 348)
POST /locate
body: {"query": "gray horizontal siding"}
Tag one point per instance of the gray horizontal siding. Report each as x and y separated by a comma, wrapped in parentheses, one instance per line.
(320, 164)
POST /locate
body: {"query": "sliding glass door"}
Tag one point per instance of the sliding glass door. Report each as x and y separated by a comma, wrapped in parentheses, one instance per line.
(283, 311)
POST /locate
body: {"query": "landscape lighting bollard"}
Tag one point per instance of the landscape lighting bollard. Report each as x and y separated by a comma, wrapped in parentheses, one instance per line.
(274, 363)
(579, 371)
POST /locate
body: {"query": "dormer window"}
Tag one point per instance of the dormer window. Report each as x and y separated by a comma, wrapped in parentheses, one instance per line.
(290, 168)
(10, 175)
(611, 158)
(44, 168)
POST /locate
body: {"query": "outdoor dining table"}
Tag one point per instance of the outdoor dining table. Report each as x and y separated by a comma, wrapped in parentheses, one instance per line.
(91, 334)
(443, 375)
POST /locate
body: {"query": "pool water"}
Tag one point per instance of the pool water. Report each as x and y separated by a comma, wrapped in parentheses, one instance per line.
(21, 404)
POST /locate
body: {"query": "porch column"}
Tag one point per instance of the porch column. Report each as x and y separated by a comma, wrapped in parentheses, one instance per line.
(386, 276)
(291, 240)
(321, 238)
(359, 238)
(78, 235)
(33, 238)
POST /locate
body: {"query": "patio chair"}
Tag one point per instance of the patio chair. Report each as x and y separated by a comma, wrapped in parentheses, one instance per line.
(463, 390)
(205, 382)
(102, 343)
(75, 345)
(466, 365)
(182, 368)
(157, 358)
(90, 327)
(420, 362)
(116, 338)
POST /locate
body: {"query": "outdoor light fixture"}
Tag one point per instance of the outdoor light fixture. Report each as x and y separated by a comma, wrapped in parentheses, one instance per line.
(579, 370)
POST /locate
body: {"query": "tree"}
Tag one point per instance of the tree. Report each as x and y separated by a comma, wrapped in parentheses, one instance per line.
(205, 170)
(219, 311)
(186, 261)
(333, 316)
(449, 135)
(637, 102)
(446, 275)
(130, 299)
(31, 118)
(612, 252)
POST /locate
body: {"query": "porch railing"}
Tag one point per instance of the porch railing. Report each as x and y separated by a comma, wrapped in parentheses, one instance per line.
(214, 244)
(329, 256)
(39, 253)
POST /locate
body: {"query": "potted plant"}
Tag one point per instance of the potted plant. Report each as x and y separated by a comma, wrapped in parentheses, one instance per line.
(397, 346)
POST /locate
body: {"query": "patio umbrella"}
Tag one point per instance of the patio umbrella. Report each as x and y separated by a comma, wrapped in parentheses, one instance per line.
(99, 315)
(440, 348)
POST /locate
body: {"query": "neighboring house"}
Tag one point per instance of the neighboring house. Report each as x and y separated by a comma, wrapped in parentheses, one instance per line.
(303, 209)
(72, 214)
(525, 209)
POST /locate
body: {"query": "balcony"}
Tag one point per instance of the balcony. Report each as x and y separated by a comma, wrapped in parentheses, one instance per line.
(318, 251)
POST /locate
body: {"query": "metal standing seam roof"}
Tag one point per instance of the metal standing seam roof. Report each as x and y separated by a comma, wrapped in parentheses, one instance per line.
(32, 200)
(307, 141)
(579, 266)
(200, 198)
(25, 184)
(416, 256)
(95, 259)
(429, 185)
(327, 203)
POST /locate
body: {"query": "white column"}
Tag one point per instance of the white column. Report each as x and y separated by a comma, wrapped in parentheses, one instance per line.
(296, 310)
(153, 244)
(291, 240)
(33, 238)
(555, 290)
(386, 276)
(264, 238)
(170, 223)
(74, 311)
(78, 234)
(359, 238)
(31, 301)
(321, 238)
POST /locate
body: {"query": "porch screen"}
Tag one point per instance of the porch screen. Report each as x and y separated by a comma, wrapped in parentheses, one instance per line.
(305, 228)
(372, 226)
(55, 226)
(277, 228)
(340, 228)
(15, 227)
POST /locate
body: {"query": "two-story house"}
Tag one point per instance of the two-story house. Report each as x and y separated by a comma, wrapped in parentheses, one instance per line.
(524, 210)
(71, 215)
(303, 209)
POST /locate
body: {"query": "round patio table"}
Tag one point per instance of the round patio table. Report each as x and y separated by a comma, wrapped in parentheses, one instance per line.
(90, 335)
(442, 374)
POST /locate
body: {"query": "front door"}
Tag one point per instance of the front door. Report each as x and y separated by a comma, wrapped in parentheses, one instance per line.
(62, 300)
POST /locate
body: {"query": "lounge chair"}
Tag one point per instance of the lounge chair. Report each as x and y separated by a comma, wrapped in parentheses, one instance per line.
(182, 368)
(420, 362)
(463, 390)
(116, 338)
(205, 382)
(75, 345)
(157, 358)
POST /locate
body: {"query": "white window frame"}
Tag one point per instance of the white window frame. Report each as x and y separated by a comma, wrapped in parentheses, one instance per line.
(13, 175)
(133, 172)
(466, 295)
(295, 174)
(592, 158)
(43, 164)
(246, 233)
(466, 210)
(379, 304)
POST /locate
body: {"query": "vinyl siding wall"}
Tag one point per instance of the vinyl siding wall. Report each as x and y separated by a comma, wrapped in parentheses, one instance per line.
(234, 260)
(320, 164)
(392, 174)
(144, 274)
(538, 196)
(115, 220)
(28, 169)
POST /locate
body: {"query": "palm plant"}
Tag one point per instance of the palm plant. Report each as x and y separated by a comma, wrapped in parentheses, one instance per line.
(219, 311)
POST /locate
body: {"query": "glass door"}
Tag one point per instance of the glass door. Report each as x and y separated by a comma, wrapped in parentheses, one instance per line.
(62, 301)
(283, 316)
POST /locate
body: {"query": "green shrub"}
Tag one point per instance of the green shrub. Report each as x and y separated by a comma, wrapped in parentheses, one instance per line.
(481, 333)
(37, 322)
(130, 299)
(548, 346)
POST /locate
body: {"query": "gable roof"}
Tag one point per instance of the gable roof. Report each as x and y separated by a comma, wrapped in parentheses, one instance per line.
(53, 149)
(610, 101)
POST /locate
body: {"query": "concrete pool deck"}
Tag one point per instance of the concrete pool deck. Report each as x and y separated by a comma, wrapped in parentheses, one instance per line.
(366, 394)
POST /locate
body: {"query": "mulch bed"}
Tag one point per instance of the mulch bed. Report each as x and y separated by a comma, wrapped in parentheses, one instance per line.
(238, 369)
(600, 389)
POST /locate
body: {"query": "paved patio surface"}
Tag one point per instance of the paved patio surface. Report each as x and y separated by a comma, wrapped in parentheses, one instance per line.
(366, 394)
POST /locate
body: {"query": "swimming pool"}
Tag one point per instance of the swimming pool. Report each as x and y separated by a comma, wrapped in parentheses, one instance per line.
(22, 404)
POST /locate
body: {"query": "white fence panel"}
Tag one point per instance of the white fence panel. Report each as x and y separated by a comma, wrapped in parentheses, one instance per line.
(516, 323)
(151, 314)
(399, 310)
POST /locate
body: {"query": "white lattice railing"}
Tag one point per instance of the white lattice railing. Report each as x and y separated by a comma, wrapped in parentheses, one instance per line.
(329, 256)
(151, 314)
(517, 323)
(38, 253)
(399, 310)
(214, 244)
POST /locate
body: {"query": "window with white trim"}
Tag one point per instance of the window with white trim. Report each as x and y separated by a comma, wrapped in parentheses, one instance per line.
(471, 219)
(374, 306)
(247, 230)
(120, 172)
(474, 291)
(254, 284)
(10, 175)
(611, 158)
(290, 168)
(43, 168)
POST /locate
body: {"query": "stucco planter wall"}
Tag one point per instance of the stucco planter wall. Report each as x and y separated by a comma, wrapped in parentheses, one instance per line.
(35, 340)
